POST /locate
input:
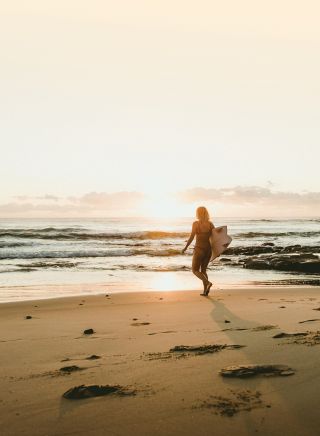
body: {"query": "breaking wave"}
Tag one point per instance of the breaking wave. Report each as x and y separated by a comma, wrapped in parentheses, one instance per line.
(74, 234)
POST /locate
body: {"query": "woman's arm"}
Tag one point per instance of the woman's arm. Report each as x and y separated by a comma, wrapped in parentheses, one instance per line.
(191, 238)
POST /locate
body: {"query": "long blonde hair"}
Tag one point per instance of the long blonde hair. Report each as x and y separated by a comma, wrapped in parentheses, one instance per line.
(202, 214)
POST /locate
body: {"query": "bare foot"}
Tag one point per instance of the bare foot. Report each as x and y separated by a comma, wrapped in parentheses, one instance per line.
(208, 288)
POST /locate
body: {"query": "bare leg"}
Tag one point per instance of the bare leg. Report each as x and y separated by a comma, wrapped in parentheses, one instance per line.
(204, 285)
(204, 265)
(201, 276)
(198, 258)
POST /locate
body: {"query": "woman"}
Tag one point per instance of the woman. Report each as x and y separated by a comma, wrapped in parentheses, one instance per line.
(202, 250)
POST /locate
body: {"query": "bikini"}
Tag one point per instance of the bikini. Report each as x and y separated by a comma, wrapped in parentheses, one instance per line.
(202, 239)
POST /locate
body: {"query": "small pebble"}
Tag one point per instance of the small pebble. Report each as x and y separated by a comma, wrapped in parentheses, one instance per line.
(28, 317)
(88, 332)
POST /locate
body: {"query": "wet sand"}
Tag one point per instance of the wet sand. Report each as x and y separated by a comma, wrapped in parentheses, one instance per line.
(164, 360)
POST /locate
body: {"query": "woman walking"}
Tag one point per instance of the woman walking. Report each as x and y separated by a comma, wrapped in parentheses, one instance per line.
(202, 229)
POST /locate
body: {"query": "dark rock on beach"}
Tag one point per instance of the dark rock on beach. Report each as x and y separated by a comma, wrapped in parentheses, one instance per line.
(249, 251)
(306, 263)
(88, 332)
(28, 317)
(271, 248)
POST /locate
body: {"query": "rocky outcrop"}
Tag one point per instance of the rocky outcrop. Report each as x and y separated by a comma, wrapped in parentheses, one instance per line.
(306, 263)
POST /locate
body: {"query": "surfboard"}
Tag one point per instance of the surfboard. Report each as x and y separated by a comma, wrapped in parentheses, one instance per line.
(219, 241)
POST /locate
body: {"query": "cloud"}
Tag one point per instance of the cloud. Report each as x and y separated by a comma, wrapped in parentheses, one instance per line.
(238, 201)
(90, 204)
(250, 195)
(42, 197)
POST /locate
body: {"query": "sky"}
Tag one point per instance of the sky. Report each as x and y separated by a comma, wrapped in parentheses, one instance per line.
(127, 108)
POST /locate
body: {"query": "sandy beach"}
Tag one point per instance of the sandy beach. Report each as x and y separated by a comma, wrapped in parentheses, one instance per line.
(160, 389)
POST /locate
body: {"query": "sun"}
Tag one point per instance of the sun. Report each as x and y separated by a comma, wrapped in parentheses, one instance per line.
(163, 205)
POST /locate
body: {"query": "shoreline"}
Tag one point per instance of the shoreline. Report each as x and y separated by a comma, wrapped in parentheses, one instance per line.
(120, 286)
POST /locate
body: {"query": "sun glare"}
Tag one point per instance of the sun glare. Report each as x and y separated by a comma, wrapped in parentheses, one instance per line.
(162, 205)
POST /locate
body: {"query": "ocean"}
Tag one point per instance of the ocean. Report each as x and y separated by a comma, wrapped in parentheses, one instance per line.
(44, 258)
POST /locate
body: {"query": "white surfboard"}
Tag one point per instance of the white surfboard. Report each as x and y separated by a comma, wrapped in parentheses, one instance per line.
(219, 241)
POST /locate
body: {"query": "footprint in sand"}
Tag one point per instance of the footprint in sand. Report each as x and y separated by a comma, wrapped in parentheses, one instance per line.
(309, 320)
(303, 338)
(243, 371)
(82, 391)
(70, 369)
(183, 351)
(157, 333)
(238, 401)
(137, 324)
(262, 328)
(289, 335)
(92, 357)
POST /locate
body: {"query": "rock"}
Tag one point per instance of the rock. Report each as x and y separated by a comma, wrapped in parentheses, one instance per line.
(254, 370)
(82, 391)
(225, 259)
(227, 321)
(88, 332)
(28, 317)
(249, 251)
(307, 263)
(256, 264)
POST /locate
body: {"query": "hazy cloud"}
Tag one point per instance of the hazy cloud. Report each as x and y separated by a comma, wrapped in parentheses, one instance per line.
(88, 204)
(242, 195)
(236, 201)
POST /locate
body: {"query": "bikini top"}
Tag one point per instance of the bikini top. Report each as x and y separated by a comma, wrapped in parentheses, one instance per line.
(199, 232)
